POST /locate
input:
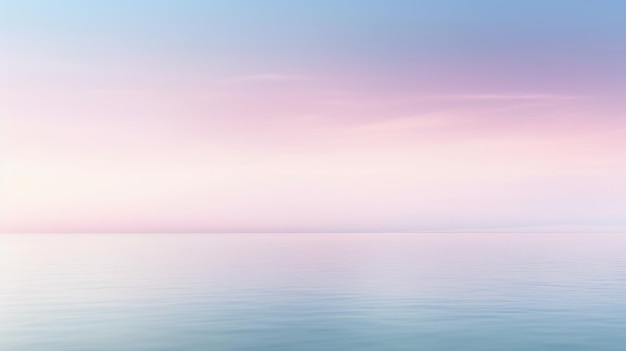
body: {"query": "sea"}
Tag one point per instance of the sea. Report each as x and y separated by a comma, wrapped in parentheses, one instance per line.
(313, 292)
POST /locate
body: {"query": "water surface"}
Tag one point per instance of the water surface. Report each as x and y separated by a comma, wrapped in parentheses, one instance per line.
(314, 292)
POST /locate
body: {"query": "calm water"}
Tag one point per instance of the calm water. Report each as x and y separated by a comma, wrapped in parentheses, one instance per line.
(313, 292)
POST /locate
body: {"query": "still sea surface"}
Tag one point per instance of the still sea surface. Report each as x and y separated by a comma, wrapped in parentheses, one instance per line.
(313, 292)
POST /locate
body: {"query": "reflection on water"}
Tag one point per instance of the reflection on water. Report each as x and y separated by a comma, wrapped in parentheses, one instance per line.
(312, 292)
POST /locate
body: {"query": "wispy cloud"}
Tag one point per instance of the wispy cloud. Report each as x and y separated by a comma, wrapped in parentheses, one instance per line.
(488, 97)
(267, 77)
(356, 99)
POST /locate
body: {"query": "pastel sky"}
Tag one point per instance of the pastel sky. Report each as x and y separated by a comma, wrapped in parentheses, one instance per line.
(312, 115)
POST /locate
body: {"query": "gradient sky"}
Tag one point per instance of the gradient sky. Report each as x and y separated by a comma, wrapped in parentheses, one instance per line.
(312, 116)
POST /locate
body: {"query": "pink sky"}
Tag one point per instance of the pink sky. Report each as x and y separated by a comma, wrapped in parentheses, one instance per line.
(99, 135)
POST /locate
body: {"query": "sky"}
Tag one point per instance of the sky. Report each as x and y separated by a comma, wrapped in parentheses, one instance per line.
(312, 115)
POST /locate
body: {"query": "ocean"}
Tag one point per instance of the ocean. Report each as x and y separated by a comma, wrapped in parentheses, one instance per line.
(312, 292)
